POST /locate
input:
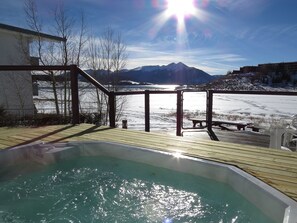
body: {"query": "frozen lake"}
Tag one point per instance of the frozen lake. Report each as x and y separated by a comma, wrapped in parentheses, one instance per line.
(260, 109)
(249, 108)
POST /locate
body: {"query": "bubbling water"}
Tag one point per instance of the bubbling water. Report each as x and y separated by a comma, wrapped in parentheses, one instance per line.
(101, 189)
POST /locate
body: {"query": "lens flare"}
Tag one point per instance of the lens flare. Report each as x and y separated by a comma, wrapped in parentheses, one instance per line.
(180, 8)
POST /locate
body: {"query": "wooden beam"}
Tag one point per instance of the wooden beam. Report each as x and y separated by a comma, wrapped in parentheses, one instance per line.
(112, 109)
(209, 105)
(93, 81)
(74, 94)
(32, 68)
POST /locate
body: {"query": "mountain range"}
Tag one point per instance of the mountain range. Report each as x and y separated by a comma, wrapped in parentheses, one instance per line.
(173, 73)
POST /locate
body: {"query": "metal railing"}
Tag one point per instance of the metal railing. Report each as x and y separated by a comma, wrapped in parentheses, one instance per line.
(209, 103)
(75, 71)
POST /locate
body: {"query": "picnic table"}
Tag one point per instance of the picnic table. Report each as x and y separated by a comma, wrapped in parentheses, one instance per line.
(224, 124)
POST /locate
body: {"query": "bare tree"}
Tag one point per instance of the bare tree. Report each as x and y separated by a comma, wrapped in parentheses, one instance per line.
(45, 53)
(34, 23)
(119, 59)
(106, 51)
(73, 48)
(82, 41)
(109, 54)
(113, 54)
(95, 63)
(119, 56)
(94, 54)
(68, 52)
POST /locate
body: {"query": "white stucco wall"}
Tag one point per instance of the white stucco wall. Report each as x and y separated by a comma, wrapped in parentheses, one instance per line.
(15, 86)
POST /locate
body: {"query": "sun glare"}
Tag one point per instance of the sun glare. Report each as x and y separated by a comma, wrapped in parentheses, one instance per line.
(177, 154)
(180, 8)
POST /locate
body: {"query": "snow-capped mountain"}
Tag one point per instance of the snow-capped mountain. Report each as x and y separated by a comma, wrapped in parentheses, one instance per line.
(176, 67)
(173, 73)
(169, 67)
(146, 68)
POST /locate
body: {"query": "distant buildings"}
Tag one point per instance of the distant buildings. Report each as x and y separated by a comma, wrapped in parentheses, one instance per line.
(290, 67)
(273, 72)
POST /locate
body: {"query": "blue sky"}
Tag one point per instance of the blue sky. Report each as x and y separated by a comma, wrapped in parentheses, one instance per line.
(222, 35)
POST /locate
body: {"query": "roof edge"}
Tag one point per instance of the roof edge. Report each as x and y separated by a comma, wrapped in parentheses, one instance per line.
(31, 32)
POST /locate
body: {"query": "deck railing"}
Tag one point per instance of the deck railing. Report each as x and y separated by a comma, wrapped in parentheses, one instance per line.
(209, 103)
(75, 71)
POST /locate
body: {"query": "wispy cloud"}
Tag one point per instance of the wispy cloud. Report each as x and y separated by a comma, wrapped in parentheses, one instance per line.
(225, 57)
(241, 6)
(209, 60)
(269, 33)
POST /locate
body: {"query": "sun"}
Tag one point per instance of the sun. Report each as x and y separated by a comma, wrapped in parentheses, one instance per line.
(180, 8)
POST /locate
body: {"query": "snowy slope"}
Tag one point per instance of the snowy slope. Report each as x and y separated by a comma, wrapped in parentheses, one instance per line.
(245, 82)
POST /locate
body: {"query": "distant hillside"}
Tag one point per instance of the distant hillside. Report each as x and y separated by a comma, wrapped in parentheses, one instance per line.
(174, 73)
(270, 76)
(234, 82)
(249, 82)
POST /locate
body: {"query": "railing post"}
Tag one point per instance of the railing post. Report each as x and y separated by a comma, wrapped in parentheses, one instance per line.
(74, 94)
(209, 105)
(179, 112)
(112, 109)
(147, 110)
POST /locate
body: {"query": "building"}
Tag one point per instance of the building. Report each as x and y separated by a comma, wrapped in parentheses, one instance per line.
(249, 69)
(16, 95)
(284, 71)
(290, 67)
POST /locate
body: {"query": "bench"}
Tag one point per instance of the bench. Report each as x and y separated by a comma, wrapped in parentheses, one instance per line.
(254, 128)
(220, 123)
(198, 121)
(239, 125)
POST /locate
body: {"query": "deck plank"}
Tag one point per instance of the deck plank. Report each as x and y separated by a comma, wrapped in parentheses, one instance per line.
(277, 168)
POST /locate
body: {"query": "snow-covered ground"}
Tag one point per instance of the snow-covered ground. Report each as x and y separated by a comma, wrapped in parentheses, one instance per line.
(259, 109)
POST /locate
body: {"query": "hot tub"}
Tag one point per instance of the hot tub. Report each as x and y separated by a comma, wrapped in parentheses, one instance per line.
(170, 186)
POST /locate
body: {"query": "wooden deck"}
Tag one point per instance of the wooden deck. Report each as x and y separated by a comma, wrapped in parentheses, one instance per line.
(277, 168)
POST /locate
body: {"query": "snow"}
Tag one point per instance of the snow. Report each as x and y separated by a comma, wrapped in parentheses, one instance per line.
(147, 68)
(175, 66)
(259, 109)
(171, 67)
